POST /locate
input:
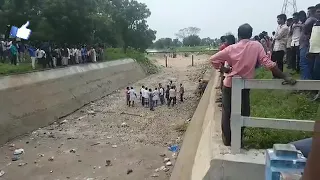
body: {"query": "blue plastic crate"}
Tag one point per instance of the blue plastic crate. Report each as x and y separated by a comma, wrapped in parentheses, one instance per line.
(288, 161)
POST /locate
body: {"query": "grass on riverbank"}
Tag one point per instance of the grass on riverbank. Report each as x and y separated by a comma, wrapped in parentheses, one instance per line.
(6, 68)
(277, 104)
(118, 53)
(109, 55)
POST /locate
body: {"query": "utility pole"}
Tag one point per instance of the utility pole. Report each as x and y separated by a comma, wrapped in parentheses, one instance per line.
(289, 7)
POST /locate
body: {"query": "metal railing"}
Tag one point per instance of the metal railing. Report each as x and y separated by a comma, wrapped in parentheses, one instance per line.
(238, 121)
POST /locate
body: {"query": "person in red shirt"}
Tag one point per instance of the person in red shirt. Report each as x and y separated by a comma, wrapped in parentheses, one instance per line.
(228, 40)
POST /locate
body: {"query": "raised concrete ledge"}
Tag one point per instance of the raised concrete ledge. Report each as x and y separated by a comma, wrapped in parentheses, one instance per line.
(33, 100)
(222, 169)
(186, 159)
(39, 76)
(203, 155)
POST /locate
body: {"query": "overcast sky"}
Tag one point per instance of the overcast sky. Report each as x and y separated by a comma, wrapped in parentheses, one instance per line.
(215, 17)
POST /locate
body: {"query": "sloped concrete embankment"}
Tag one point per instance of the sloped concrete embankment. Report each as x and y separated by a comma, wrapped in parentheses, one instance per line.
(33, 100)
(183, 169)
(203, 155)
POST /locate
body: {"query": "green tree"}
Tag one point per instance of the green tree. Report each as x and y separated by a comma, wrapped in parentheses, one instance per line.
(117, 23)
(192, 40)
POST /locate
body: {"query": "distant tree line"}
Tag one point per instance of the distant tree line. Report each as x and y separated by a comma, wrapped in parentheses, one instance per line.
(118, 23)
(185, 37)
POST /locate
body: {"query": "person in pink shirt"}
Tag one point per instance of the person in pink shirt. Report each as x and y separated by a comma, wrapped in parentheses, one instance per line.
(243, 58)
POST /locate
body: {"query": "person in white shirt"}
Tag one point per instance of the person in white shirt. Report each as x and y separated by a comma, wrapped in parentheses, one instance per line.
(133, 96)
(93, 55)
(142, 95)
(280, 42)
(295, 31)
(288, 47)
(65, 55)
(161, 94)
(72, 55)
(69, 56)
(156, 97)
(79, 56)
(145, 94)
(76, 58)
(41, 56)
(172, 96)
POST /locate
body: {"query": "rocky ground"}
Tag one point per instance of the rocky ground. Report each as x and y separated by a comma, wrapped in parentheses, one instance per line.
(108, 140)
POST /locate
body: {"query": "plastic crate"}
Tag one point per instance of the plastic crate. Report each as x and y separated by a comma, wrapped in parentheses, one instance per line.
(283, 159)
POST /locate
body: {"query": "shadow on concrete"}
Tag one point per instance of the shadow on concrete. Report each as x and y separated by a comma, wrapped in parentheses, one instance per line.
(233, 170)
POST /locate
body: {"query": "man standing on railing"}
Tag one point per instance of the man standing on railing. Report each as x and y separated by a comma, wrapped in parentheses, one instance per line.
(242, 57)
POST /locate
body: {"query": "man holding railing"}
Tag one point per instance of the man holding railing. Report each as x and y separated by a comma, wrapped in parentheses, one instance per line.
(242, 57)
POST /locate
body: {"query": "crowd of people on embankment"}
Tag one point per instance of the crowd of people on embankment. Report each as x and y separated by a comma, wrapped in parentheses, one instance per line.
(48, 55)
(297, 38)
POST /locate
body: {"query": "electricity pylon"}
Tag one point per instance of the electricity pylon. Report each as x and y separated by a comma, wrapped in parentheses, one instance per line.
(289, 7)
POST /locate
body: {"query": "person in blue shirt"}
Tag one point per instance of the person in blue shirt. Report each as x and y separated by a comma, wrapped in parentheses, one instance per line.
(32, 53)
(84, 54)
(21, 52)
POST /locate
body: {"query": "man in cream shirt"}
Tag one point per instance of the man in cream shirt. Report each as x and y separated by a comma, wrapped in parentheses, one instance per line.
(296, 33)
(280, 42)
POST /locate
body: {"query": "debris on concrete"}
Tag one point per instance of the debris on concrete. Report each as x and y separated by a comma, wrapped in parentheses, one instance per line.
(114, 146)
(79, 160)
(97, 143)
(157, 170)
(169, 164)
(166, 160)
(22, 164)
(72, 151)
(140, 115)
(155, 175)
(63, 122)
(51, 171)
(15, 158)
(41, 155)
(162, 168)
(2, 173)
(162, 155)
(51, 159)
(79, 118)
(18, 151)
(12, 145)
(129, 171)
(174, 155)
(91, 112)
(124, 124)
(174, 148)
(108, 162)
(109, 137)
(51, 136)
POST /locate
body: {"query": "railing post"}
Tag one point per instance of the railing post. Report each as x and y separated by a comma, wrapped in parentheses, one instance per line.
(166, 61)
(192, 60)
(236, 121)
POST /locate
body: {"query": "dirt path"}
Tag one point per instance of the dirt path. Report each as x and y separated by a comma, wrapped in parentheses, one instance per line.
(82, 143)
